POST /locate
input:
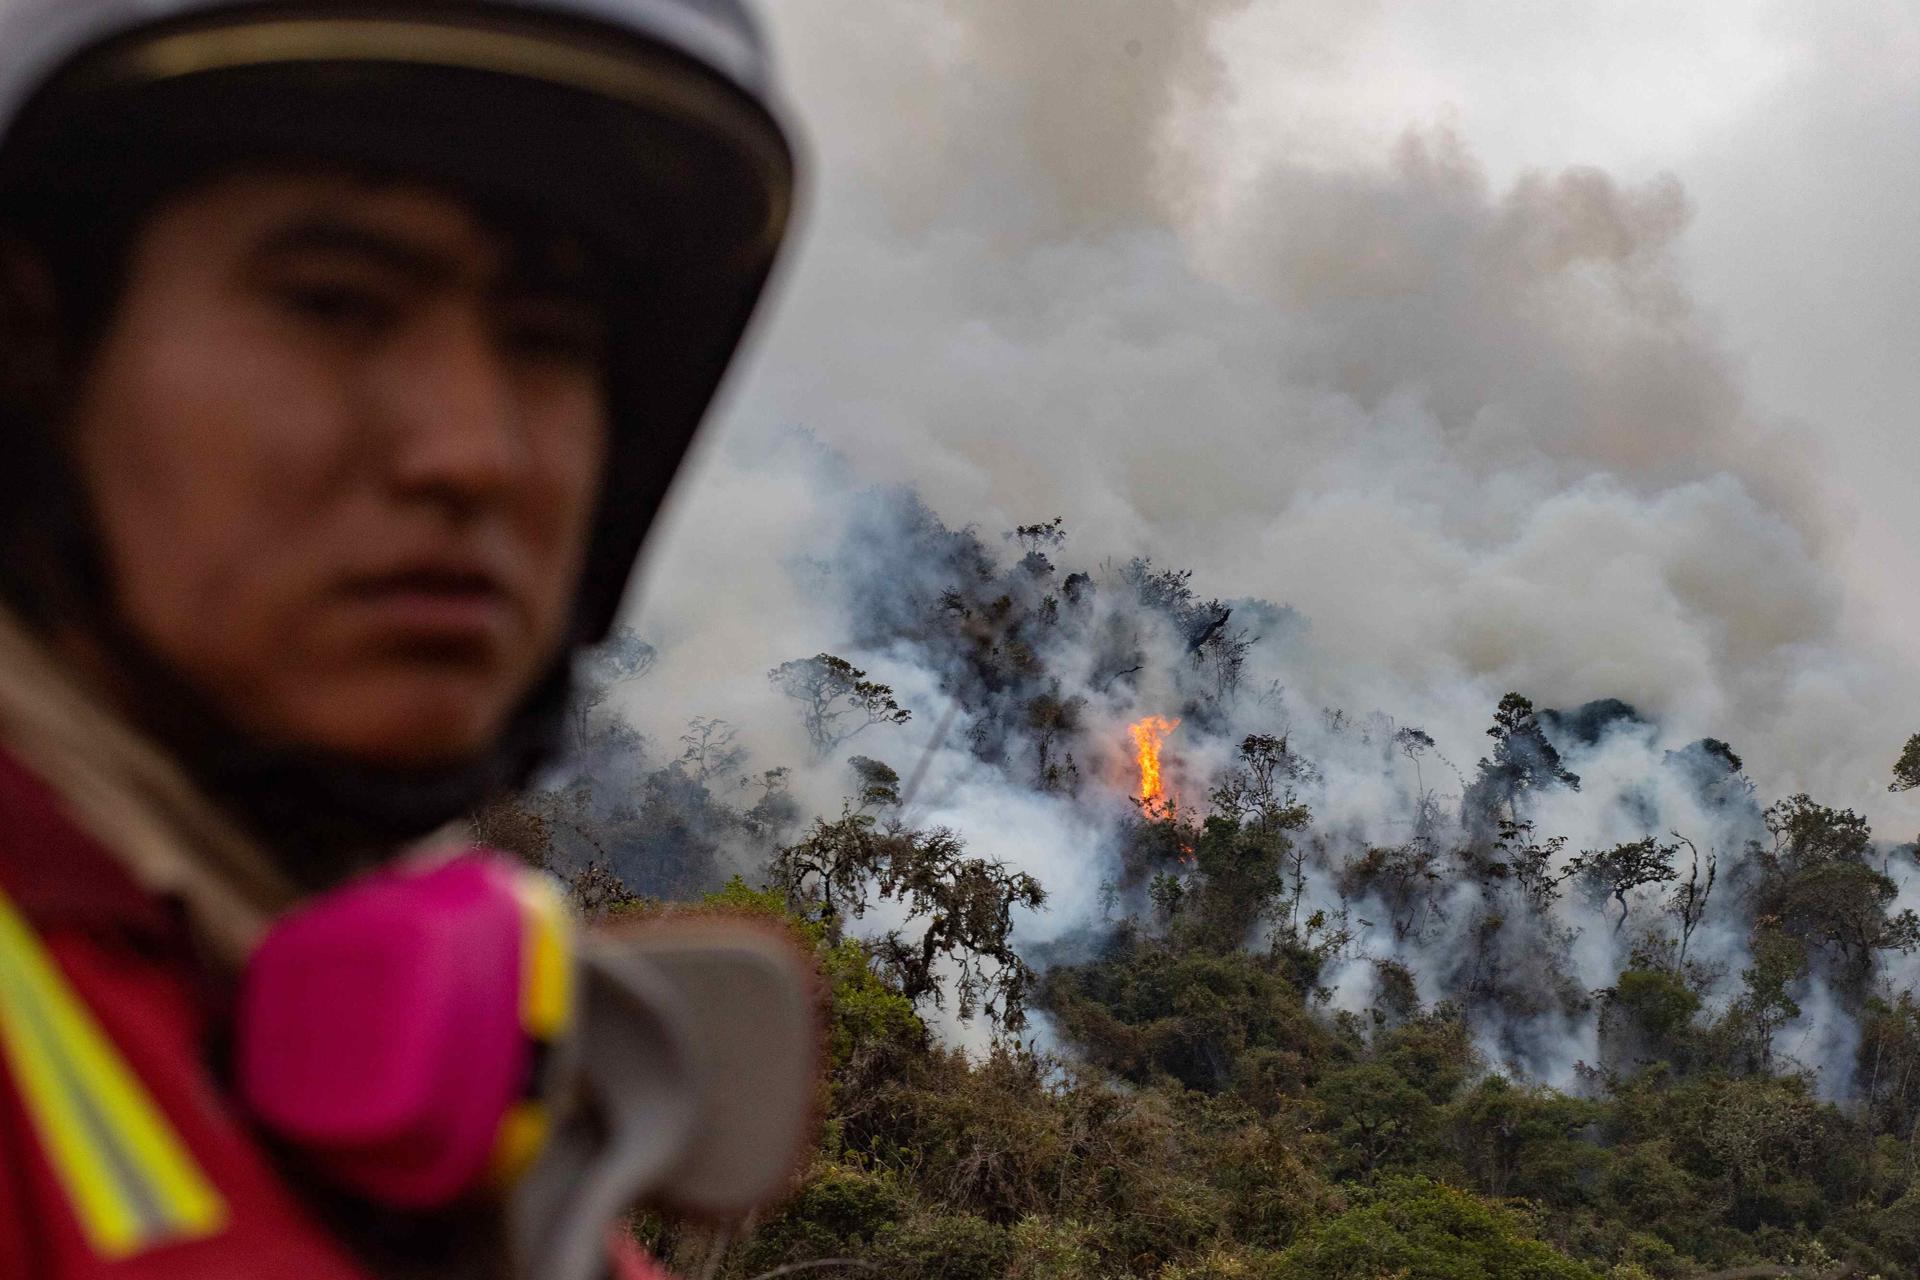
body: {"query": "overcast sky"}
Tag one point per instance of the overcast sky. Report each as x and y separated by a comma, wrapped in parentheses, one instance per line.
(1558, 346)
(1795, 128)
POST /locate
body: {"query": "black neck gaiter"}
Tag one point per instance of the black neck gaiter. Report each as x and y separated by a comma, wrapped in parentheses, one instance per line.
(322, 815)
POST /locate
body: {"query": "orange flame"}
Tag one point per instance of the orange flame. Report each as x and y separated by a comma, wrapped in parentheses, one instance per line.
(1149, 736)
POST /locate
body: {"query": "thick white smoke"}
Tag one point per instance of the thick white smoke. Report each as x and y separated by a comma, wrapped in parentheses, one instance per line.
(1476, 432)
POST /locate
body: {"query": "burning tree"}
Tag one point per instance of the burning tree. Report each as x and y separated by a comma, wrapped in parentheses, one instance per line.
(836, 699)
(1239, 866)
(1149, 737)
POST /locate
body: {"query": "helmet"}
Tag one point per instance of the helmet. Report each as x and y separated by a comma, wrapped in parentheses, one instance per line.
(649, 124)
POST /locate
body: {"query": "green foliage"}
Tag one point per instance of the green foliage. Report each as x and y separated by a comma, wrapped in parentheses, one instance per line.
(1888, 1072)
(1659, 1002)
(1242, 874)
(1376, 1118)
(1051, 1249)
(1807, 834)
(1432, 1051)
(1152, 1011)
(1758, 1154)
(1259, 789)
(1906, 770)
(1216, 1125)
(736, 897)
(959, 910)
(837, 1211)
(1841, 908)
(945, 1246)
(1744, 1036)
(865, 1014)
(1223, 1263)
(1414, 1227)
(1821, 891)
(1648, 1017)
(1516, 1140)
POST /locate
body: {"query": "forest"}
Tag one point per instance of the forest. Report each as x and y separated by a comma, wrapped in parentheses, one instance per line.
(1344, 1008)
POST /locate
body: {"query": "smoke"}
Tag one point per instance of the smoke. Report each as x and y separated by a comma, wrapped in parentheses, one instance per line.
(1475, 432)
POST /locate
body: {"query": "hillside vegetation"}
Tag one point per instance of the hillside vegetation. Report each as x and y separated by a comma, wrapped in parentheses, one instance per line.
(1288, 1045)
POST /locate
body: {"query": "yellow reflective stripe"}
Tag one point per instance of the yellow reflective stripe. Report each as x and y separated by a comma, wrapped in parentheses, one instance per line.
(130, 1179)
(186, 1200)
(108, 1215)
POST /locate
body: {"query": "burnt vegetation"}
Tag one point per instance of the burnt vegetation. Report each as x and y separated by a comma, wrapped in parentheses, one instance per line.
(1290, 1044)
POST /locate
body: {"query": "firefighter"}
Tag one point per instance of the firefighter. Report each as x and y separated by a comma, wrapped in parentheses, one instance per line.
(346, 352)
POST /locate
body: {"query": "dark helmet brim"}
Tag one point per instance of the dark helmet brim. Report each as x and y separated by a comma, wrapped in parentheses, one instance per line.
(680, 177)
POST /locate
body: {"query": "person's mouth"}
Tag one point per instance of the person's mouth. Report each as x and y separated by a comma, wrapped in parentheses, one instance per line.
(446, 604)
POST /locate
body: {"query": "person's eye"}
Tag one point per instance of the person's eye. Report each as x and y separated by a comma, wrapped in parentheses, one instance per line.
(338, 304)
(560, 333)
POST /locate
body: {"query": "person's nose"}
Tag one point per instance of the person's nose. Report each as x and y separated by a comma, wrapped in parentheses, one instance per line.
(453, 421)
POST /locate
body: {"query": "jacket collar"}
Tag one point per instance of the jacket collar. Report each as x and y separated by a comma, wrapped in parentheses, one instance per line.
(59, 876)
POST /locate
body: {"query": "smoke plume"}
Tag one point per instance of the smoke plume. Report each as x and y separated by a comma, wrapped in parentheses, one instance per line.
(1474, 435)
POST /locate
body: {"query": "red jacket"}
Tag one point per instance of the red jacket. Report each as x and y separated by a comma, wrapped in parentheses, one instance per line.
(126, 956)
(120, 1159)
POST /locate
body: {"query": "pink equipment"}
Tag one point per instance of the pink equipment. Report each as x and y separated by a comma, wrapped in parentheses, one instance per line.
(385, 1029)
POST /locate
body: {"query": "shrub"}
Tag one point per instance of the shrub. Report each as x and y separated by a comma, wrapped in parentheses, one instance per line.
(1415, 1227)
(947, 1246)
(837, 1212)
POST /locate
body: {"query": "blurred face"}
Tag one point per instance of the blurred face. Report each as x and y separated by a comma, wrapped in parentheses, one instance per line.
(344, 445)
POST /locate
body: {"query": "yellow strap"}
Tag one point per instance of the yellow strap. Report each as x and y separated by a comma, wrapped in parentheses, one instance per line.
(546, 972)
(546, 1008)
(131, 1180)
